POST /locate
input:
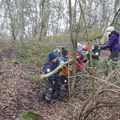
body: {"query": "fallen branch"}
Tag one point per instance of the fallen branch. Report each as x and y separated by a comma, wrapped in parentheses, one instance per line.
(54, 71)
(93, 96)
(105, 104)
(109, 90)
(105, 82)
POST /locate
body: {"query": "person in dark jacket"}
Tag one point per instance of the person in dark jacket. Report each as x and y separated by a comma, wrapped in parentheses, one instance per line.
(52, 84)
(51, 64)
(113, 42)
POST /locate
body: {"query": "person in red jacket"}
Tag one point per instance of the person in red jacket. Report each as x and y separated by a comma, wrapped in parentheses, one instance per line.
(79, 63)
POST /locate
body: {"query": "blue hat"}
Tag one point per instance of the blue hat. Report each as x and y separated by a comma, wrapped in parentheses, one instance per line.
(52, 55)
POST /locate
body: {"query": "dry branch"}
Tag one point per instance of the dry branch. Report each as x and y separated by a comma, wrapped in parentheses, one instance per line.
(99, 106)
(105, 82)
(117, 13)
(88, 101)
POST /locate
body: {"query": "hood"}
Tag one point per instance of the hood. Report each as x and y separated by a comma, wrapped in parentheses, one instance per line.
(115, 33)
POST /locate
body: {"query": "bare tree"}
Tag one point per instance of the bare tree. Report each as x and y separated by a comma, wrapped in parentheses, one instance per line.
(8, 3)
(30, 18)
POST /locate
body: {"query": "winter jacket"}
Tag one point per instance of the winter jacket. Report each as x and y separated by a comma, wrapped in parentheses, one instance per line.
(113, 42)
(64, 71)
(79, 65)
(48, 67)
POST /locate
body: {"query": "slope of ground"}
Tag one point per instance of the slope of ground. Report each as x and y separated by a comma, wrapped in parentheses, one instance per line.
(18, 92)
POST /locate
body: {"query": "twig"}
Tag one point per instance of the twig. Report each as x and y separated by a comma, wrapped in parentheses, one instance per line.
(105, 82)
(100, 106)
(93, 96)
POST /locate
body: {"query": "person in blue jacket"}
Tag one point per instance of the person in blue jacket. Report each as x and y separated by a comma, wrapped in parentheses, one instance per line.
(52, 84)
(113, 42)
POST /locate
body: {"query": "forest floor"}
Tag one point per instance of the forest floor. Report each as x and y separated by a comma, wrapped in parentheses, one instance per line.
(19, 91)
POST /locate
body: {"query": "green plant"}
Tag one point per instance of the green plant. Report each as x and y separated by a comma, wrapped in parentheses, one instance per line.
(29, 115)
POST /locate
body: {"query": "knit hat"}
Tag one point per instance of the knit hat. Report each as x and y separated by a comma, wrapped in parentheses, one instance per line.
(52, 55)
(109, 30)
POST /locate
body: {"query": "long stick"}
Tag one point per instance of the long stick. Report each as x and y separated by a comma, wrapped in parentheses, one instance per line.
(54, 71)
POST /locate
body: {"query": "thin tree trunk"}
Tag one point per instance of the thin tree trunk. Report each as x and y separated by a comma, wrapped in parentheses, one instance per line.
(11, 19)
